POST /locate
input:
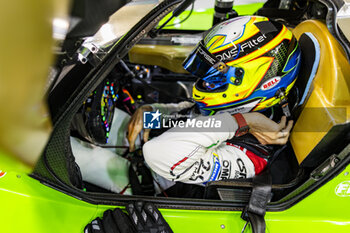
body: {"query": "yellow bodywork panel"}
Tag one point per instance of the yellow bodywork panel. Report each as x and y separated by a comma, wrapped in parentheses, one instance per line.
(170, 57)
(329, 102)
(26, 54)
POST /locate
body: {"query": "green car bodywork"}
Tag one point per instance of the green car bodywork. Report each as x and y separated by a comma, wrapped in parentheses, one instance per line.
(30, 206)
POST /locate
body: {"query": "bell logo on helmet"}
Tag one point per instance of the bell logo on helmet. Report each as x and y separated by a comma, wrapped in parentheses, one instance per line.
(270, 83)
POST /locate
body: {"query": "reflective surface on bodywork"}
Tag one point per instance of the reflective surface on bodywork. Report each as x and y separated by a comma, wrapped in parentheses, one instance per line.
(167, 56)
(60, 21)
(330, 90)
(322, 211)
(29, 206)
(57, 212)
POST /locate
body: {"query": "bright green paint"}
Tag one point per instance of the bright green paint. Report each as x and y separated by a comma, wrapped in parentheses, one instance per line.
(28, 206)
(322, 211)
(203, 20)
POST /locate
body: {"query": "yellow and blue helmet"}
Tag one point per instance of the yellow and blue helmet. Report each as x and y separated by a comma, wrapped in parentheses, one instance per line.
(243, 64)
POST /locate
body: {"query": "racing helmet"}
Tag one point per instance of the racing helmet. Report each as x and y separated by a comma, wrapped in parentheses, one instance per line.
(244, 64)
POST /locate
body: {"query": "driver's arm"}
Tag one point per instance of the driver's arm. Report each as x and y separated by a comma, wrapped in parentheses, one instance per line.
(135, 125)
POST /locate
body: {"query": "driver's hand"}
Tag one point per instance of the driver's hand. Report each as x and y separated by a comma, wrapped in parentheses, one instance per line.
(135, 126)
(266, 130)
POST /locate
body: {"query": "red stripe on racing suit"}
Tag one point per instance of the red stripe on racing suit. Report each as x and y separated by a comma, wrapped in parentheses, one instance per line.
(259, 163)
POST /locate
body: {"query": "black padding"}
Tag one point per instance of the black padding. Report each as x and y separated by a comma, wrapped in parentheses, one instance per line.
(284, 166)
(309, 64)
(65, 88)
(187, 191)
(266, 27)
(308, 55)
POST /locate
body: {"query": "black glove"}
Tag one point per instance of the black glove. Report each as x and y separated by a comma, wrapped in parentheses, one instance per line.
(141, 218)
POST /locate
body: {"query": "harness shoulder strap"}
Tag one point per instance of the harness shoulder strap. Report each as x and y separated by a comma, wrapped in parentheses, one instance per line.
(254, 212)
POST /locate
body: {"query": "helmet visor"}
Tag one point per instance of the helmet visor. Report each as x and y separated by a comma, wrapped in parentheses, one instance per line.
(200, 61)
(206, 66)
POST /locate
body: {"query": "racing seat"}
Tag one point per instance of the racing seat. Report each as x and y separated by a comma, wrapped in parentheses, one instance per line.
(284, 168)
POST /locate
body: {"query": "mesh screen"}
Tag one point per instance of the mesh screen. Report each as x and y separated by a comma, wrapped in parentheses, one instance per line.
(280, 53)
(57, 155)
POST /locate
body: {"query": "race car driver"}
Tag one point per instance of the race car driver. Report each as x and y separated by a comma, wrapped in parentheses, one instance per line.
(245, 64)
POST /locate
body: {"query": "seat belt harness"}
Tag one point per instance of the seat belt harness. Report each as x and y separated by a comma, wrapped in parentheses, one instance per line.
(254, 212)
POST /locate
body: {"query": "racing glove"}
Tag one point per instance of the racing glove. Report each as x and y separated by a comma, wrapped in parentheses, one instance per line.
(141, 218)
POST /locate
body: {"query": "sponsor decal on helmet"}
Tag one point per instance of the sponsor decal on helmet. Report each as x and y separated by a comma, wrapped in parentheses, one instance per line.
(234, 52)
(206, 56)
(270, 83)
(343, 189)
(2, 174)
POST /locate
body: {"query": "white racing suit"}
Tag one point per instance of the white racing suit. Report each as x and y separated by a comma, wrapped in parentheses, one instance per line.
(198, 156)
(190, 157)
